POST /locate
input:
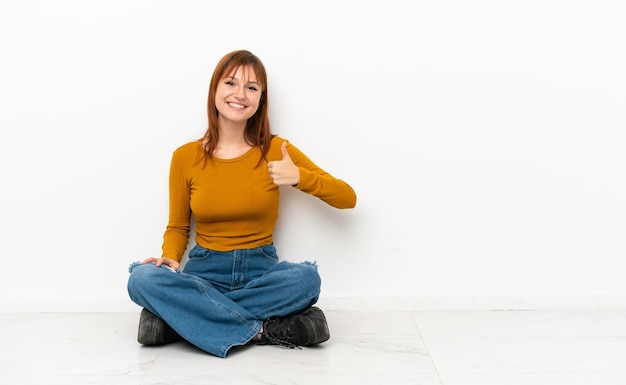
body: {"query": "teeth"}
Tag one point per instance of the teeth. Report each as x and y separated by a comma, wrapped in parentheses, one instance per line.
(237, 105)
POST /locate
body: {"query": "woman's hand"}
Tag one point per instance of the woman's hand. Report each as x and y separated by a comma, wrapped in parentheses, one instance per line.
(284, 172)
(162, 261)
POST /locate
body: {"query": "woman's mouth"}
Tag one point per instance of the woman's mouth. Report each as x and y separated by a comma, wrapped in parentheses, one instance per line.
(236, 105)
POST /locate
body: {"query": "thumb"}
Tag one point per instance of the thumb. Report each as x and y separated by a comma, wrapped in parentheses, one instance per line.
(284, 150)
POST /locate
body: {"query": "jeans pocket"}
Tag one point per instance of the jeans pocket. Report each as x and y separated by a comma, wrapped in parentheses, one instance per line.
(269, 252)
(198, 253)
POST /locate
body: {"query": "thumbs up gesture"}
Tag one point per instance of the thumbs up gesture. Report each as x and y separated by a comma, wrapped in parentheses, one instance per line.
(284, 172)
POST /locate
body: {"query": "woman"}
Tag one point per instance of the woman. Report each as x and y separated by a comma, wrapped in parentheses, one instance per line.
(233, 290)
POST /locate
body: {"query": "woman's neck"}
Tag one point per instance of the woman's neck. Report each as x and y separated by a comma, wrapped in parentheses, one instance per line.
(231, 142)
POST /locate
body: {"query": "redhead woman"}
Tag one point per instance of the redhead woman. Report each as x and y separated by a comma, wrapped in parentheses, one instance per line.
(233, 290)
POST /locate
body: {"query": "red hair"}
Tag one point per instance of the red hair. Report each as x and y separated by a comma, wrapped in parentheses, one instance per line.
(258, 132)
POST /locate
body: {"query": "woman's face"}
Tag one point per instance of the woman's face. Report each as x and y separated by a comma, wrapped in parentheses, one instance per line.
(238, 95)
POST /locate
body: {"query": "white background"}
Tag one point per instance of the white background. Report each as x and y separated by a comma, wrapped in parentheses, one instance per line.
(485, 140)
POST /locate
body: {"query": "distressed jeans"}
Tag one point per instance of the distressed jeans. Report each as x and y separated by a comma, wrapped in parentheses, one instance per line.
(220, 299)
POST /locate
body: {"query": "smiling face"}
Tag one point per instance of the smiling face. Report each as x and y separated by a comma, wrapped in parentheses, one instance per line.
(237, 96)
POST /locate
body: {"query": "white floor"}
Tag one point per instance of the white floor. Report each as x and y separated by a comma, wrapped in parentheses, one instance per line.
(443, 348)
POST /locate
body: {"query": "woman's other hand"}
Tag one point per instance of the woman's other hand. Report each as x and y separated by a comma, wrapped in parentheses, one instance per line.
(162, 261)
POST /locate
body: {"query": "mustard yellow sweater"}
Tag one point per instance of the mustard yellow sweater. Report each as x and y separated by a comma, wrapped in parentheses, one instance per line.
(234, 203)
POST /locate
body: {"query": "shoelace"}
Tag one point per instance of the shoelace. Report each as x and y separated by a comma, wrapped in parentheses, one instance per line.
(278, 338)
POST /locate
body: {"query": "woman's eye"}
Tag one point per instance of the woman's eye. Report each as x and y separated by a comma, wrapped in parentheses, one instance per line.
(252, 88)
(229, 82)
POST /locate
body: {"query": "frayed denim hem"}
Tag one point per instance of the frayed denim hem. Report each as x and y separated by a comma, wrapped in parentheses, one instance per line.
(130, 267)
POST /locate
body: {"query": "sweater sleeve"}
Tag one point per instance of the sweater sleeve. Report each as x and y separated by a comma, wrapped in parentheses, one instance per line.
(317, 182)
(176, 235)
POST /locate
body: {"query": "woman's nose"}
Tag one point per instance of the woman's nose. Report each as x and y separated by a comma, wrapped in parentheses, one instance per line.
(239, 93)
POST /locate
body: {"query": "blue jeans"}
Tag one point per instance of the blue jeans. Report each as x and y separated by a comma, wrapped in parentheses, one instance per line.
(220, 299)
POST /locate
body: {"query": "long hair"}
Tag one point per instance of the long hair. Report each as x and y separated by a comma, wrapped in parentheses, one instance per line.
(258, 132)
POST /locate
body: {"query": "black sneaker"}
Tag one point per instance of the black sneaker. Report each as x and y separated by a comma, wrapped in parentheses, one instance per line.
(306, 328)
(154, 331)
